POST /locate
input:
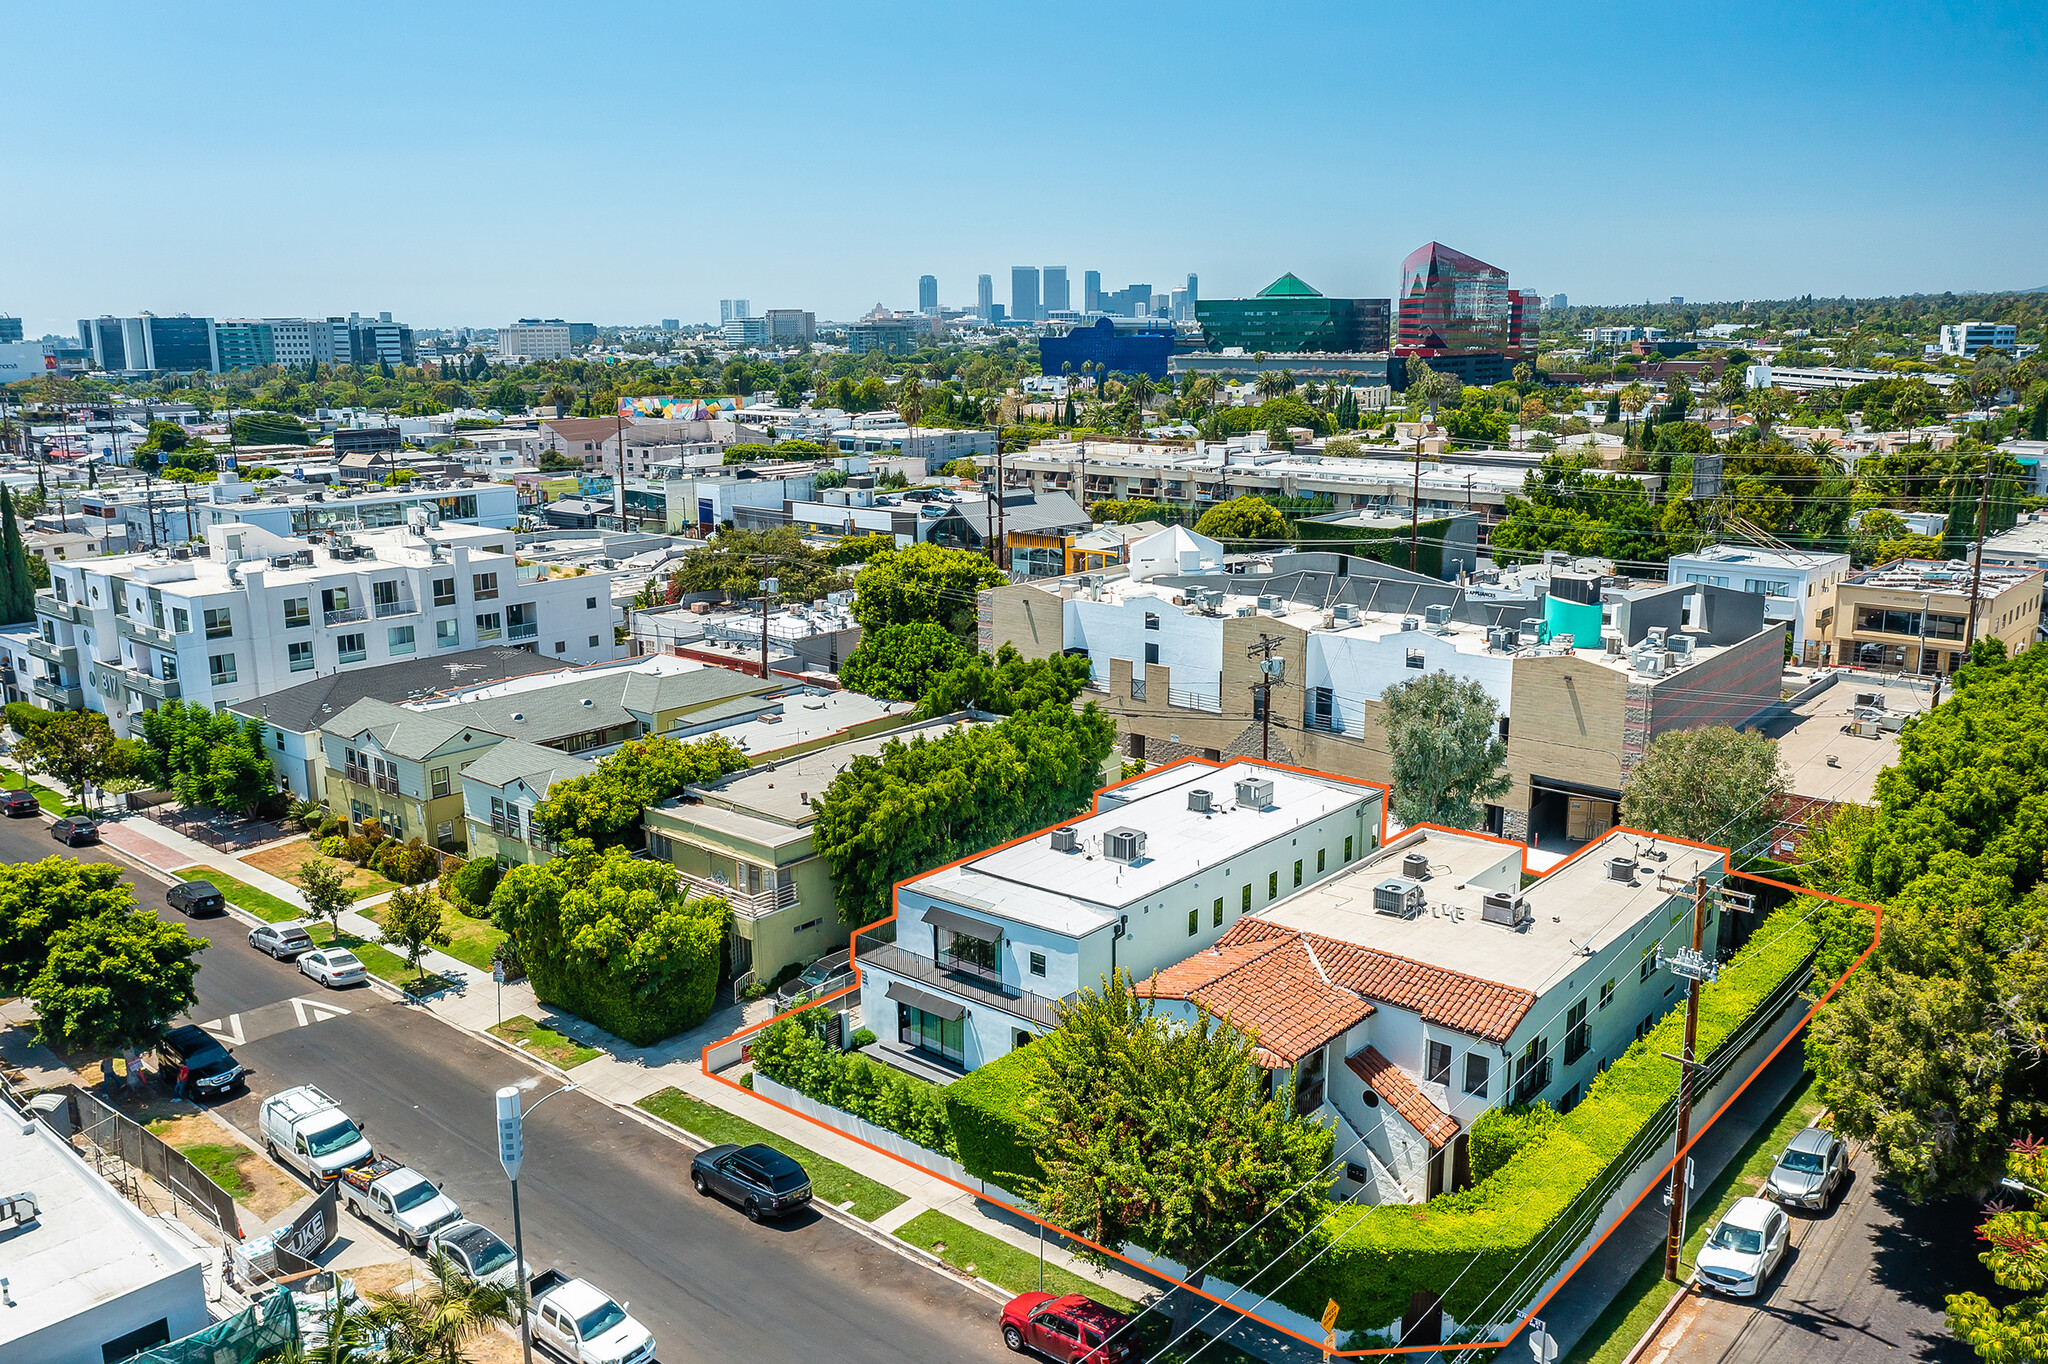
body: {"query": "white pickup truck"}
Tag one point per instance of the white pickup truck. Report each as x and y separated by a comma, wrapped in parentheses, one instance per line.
(579, 1323)
(402, 1201)
(306, 1130)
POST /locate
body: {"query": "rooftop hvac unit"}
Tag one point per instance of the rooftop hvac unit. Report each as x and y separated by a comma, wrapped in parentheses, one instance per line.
(1247, 610)
(1200, 801)
(1531, 632)
(1873, 700)
(1613, 644)
(1501, 637)
(1650, 664)
(1681, 644)
(1123, 845)
(1654, 636)
(1397, 896)
(1501, 907)
(1621, 869)
(1415, 866)
(1255, 793)
(1411, 623)
(1345, 612)
(1437, 615)
(1065, 840)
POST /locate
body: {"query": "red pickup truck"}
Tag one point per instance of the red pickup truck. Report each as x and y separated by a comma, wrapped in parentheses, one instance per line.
(1072, 1329)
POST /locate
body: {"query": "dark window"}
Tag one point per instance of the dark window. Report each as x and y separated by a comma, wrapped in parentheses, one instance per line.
(1437, 1068)
(1216, 913)
(1347, 850)
(1151, 621)
(444, 591)
(1322, 859)
(1273, 886)
(1194, 921)
(1246, 907)
(1607, 994)
(1476, 1069)
(1578, 1034)
(1151, 653)
(136, 1341)
(1038, 963)
(1297, 871)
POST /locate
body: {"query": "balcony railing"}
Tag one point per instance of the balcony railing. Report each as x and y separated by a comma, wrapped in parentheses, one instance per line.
(746, 904)
(403, 607)
(523, 631)
(1533, 1082)
(67, 696)
(1194, 700)
(163, 689)
(48, 605)
(55, 653)
(1034, 1008)
(348, 615)
(153, 635)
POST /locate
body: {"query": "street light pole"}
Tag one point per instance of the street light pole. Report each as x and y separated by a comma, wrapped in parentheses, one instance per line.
(1696, 967)
(511, 1155)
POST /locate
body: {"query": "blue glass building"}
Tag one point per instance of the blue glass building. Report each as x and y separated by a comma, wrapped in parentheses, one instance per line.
(1126, 350)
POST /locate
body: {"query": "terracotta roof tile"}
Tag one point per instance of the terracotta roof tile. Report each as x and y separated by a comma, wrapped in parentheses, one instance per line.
(1393, 1084)
(1271, 989)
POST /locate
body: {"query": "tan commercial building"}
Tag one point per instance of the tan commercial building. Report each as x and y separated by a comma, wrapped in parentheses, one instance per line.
(1913, 615)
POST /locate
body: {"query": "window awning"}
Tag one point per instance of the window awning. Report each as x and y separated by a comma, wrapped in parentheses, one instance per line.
(953, 921)
(937, 1005)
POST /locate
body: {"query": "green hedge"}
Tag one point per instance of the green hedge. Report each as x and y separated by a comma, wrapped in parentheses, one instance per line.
(1371, 1260)
(1500, 1133)
(791, 1054)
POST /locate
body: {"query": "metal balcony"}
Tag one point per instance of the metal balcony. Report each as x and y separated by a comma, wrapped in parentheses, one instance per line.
(523, 632)
(59, 694)
(153, 635)
(48, 605)
(347, 615)
(972, 987)
(388, 609)
(746, 905)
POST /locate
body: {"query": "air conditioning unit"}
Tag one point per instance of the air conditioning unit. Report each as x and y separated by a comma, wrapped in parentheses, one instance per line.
(1123, 845)
(1650, 664)
(1614, 645)
(1437, 615)
(1200, 801)
(1415, 866)
(1531, 631)
(1681, 644)
(1345, 612)
(1255, 793)
(1501, 637)
(1065, 840)
(1410, 623)
(1654, 637)
(1246, 610)
(1501, 907)
(1269, 603)
(1621, 869)
(1399, 897)
(1870, 700)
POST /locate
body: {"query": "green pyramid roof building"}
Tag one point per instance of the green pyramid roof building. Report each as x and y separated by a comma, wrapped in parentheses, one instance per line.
(1289, 285)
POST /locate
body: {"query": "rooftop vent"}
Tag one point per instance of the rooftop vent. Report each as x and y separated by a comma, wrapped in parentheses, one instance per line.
(1501, 637)
(1200, 801)
(1415, 866)
(1254, 793)
(19, 1208)
(1398, 896)
(1065, 840)
(1655, 635)
(1614, 644)
(1123, 845)
(1501, 907)
(1437, 615)
(1411, 623)
(1621, 869)
(1873, 700)
(1346, 613)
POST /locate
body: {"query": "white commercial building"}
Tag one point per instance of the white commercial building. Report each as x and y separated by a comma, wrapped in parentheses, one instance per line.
(1967, 338)
(88, 1277)
(533, 340)
(258, 612)
(169, 513)
(1798, 586)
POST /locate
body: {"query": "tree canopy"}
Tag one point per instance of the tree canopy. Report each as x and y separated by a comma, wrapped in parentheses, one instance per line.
(1716, 785)
(38, 899)
(1447, 754)
(898, 662)
(606, 806)
(1242, 518)
(208, 757)
(923, 582)
(113, 980)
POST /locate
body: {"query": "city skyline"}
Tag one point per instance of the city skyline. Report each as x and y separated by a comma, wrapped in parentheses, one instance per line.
(1721, 209)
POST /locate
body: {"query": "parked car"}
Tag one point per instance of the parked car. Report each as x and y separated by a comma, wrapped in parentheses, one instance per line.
(401, 1200)
(1068, 1328)
(814, 979)
(1745, 1246)
(478, 1253)
(1810, 1171)
(75, 830)
(582, 1324)
(20, 801)
(196, 897)
(308, 1131)
(333, 967)
(762, 1180)
(286, 942)
(214, 1071)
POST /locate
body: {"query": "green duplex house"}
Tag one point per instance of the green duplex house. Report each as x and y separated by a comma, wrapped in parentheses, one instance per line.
(499, 791)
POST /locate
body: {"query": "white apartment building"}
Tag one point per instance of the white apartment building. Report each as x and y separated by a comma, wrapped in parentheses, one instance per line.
(291, 339)
(531, 340)
(168, 515)
(258, 612)
(1967, 338)
(1798, 587)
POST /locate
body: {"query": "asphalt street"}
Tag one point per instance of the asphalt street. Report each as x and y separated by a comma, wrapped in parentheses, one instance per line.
(1866, 1280)
(602, 1195)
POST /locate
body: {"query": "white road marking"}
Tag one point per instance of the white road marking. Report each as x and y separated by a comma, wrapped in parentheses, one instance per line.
(227, 1031)
(314, 1010)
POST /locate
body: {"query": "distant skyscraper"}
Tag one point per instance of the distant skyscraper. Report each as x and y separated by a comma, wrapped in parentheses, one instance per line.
(985, 297)
(742, 308)
(724, 311)
(1194, 297)
(10, 329)
(1091, 291)
(1558, 301)
(670, 324)
(1180, 308)
(1056, 300)
(1024, 293)
(927, 293)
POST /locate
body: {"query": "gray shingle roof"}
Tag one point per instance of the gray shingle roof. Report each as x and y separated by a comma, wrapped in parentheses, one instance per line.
(398, 731)
(307, 705)
(515, 759)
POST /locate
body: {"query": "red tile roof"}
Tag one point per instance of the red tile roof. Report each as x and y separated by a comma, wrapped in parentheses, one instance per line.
(1391, 1083)
(1271, 989)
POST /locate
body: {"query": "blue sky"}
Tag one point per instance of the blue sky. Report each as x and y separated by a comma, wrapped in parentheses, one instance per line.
(469, 163)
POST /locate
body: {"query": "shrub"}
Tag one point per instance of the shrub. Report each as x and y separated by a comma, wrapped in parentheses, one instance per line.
(330, 827)
(863, 1037)
(791, 1053)
(337, 846)
(1501, 1132)
(359, 849)
(470, 883)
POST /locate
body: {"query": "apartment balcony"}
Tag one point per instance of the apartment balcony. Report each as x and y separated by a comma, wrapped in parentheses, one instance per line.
(48, 605)
(523, 632)
(144, 633)
(359, 775)
(59, 694)
(973, 986)
(348, 615)
(387, 609)
(746, 904)
(163, 689)
(67, 654)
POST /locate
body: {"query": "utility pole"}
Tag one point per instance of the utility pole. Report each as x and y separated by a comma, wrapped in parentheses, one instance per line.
(1271, 670)
(1696, 968)
(768, 587)
(1977, 568)
(1415, 506)
(1002, 532)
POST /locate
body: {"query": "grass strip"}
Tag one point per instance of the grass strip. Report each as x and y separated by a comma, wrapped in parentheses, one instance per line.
(1617, 1329)
(222, 1165)
(45, 797)
(546, 1043)
(379, 961)
(261, 903)
(1013, 1267)
(830, 1181)
(471, 941)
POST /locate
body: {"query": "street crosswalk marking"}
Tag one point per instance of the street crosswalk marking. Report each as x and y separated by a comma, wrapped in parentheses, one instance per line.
(314, 1010)
(227, 1031)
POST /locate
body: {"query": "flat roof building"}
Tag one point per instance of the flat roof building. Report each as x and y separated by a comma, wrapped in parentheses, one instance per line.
(1290, 315)
(1913, 615)
(1798, 586)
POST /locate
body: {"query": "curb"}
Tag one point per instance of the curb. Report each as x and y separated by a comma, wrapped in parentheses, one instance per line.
(1649, 1337)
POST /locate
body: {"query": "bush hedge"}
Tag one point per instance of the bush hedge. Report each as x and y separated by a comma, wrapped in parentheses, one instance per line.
(791, 1053)
(1467, 1244)
(1501, 1132)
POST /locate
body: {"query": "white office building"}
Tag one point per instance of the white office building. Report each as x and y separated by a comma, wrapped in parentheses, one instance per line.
(257, 612)
(532, 339)
(1967, 338)
(1798, 586)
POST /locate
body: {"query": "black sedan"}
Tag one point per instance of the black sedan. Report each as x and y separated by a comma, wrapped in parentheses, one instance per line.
(74, 831)
(762, 1180)
(196, 897)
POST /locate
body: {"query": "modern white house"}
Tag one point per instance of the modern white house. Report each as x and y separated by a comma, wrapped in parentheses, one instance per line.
(1798, 586)
(1967, 338)
(1168, 863)
(258, 612)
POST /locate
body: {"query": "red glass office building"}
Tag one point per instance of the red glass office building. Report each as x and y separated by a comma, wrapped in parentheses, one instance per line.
(1458, 313)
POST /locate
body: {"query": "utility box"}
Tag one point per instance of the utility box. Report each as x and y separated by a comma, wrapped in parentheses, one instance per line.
(1586, 819)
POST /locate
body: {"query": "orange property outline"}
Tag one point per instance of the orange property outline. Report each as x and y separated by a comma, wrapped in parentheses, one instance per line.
(1877, 929)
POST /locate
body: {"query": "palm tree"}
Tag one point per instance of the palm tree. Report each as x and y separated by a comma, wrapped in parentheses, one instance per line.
(1141, 388)
(1267, 384)
(438, 1322)
(1634, 398)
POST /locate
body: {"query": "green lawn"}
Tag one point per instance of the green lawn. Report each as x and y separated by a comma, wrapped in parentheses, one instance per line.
(470, 941)
(222, 1165)
(830, 1181)
(379, 961)
(45, 797)
(261, 903)
(1637, 1305)
(545, 1043)
(1013, 1267)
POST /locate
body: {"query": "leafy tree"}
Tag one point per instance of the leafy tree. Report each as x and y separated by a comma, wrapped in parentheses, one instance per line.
(1242, 519)
(1716, 785)
(735, 561)
(17, 590)
(1006, 684)
(613, 939)
(923, 582)
(2018, 1260)
(324, 888)
(77, 748)
(1443, 734)
(39, 899)
(606, 806)
(1478, 424)
(1153, 1130)
(208, 757)
(412, 920)
(1564, 504)
(897, 662)
(919, 804)
(112, 981)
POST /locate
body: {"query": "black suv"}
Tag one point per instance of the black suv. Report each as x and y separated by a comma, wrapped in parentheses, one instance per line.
(762, 1180)
(214, 1072)
(196, 897)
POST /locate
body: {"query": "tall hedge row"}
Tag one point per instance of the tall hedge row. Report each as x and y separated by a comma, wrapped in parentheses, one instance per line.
(791, 1053)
